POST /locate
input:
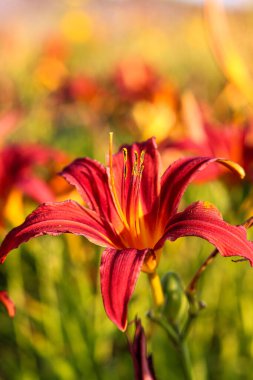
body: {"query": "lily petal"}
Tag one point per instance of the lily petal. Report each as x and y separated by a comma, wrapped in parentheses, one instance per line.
(202, 219)
(35, 188)
(57, 218)
(177, 177)
(91, 181)
(119, 272)
(8, 303)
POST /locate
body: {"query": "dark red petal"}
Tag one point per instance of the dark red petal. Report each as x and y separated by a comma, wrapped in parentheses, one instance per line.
(57, 218)
(119, 272)
(29, 155)
(91, 181)
(7, 302)
(143, 365)
(177, 177)
(202, 219)
(131, 186)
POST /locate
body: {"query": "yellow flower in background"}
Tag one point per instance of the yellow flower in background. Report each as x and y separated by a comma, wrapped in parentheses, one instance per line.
(153, 119)
(76, 26)
(13, 210)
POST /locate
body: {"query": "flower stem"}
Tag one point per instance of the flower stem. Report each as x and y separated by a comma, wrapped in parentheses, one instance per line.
(171, 333)
(156, 287)
(191, 288)
(178, 342)
(186, 361)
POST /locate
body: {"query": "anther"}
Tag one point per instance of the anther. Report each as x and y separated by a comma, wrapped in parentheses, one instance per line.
(141, 162)
(125, 161)
(135, 165)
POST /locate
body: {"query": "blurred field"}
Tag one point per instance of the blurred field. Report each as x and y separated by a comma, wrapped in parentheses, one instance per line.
(57, 74)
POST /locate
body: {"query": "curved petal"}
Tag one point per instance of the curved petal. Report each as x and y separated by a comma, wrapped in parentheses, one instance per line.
(136, 172)
(57, 218)
(177, 177)
(28, 155)
(202, 219)
(18, 161)
(91, 181)
(184, 145)
(8, 303)
(35, 188)
(119, 272)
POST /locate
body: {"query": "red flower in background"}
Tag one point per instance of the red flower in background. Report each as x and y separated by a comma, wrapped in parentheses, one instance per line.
(7, 302)
(81, 88)
(18, 171)
(135, 79)
(132, 211)
(206, 137)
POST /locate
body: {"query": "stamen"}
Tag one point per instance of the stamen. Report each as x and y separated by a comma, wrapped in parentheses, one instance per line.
(137, 173)
(117, 204)
(125, 161)
(142, 157)
(141, 162)
(135, 165)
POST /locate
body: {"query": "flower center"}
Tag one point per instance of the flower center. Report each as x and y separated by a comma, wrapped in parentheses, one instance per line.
(127, 195)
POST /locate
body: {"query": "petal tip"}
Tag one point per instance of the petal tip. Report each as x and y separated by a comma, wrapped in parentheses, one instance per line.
(233, 166)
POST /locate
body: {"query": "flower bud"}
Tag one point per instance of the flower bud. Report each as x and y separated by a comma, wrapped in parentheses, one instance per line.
(176, 303)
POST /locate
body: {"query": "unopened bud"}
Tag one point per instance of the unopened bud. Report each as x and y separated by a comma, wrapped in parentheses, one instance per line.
(175, 305)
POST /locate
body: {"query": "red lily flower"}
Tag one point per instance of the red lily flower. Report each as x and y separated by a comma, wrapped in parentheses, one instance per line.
(132, 212)
(17, 163)
(7, 302)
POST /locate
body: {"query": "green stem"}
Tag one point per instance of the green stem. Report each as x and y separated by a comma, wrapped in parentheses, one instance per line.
(172, 334)
(187, 326)
(186, 361)
(191, 288)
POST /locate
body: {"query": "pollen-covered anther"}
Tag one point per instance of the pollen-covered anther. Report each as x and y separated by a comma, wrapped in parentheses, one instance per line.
(135, 170)
(141, 162)
(138, 164)
(124, 150)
